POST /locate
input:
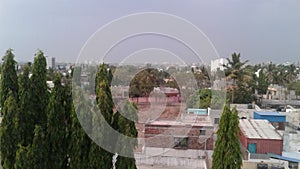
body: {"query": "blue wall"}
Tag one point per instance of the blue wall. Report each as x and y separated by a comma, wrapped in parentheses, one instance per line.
(270, 116)
(197, 111)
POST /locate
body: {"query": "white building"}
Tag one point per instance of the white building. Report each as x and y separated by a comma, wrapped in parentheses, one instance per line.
(218, 64)
(50, 62)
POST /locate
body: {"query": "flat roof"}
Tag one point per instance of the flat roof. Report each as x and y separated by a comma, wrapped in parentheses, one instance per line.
(269, 113)
(258, 129)
(194, 123)
(284, 158)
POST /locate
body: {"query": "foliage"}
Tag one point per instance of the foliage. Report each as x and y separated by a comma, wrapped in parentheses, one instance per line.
(39, 150)
(143, 83)
(56, 127)
(22, 156)
(205, 98)
(9, 79)
(39, 90)
(227, 153)
(295, 86)
(80, 143)
(25, 125)
(124, 123)
(9, 137)
(236, 73)
(98, 157)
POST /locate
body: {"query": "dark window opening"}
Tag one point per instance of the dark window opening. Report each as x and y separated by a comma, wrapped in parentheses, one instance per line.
(181, 142)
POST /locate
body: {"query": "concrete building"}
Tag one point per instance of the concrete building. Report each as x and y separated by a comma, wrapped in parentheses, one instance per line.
(260, 137)
(218, 64)
(185, 142)
(195, 132)
(50, 62)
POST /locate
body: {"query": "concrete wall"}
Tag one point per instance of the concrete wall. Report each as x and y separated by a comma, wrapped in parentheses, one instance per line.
(253, 163)
(164, 136)
(194, 159)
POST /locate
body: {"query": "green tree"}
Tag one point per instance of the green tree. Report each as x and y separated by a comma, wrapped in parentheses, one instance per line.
(80, 143)
(125, 124)
(144, 82)
(25, 125)
(295, 86)
(261, 82)
(235, 72)
(39, 150)
(39, 90)
(227, 153)
(9, 136)
(204, 98)
(271, 73)
(23, 157)
(9, 79)
(56, 126)
(98, 157)
(76, 74)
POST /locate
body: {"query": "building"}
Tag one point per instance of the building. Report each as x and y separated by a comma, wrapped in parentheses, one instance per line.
(260, 137)
(276, 119)
(185, 142)
(192, 132)
(50, 62)
(218, 64)
(197, 111)
(159, 95)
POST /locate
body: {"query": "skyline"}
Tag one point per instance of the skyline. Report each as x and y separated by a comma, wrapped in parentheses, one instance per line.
(260, 31)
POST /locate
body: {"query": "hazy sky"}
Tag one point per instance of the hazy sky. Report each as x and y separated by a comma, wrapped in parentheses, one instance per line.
(261, 31)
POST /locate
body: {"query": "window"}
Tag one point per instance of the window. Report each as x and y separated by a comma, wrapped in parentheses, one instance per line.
(217, 120)
(181, 142)
(202, 132)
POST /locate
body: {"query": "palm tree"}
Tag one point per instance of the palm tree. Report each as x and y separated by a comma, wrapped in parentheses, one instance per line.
(271, 73)
(235, 72)
(291, 73)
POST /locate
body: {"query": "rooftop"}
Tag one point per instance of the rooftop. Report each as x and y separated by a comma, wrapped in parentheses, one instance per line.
(269, 113)
(188, 120)
(258, 129)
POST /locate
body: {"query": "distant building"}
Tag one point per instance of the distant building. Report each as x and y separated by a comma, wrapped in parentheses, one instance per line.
(50, 62)
(260, 137)
(218, 64)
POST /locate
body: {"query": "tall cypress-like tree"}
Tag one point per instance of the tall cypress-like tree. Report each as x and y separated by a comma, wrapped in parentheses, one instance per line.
(9, 79)
(23, 157)
(100, 158)
(9, 136)
(39, 90)
(25, 125)
(80, 142)
(56, 126)
(125, 125)
(234, 151)
(39, 149)
(227, 153)
(69, 109)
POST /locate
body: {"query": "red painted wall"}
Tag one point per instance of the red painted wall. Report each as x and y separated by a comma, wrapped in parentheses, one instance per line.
(263, 146)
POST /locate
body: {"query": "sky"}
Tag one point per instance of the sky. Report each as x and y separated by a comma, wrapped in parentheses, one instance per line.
(262, 31)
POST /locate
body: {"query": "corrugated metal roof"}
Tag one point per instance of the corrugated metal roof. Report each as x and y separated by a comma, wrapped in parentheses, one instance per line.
(258, 129)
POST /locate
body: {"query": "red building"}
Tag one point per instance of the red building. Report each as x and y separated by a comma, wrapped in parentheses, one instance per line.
(260, 137)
